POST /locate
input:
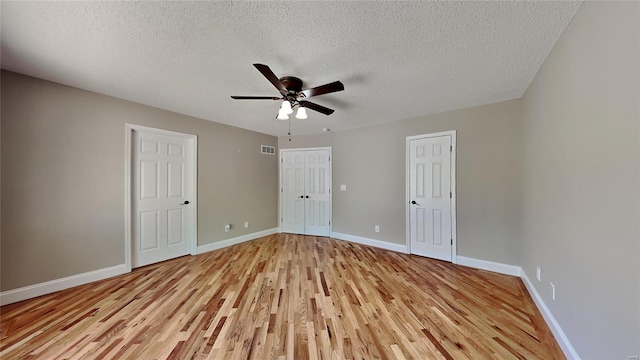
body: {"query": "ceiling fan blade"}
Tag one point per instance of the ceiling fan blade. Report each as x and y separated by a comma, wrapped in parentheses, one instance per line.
(324, 89)
(316, 107)
(264, 69)
(255, 98)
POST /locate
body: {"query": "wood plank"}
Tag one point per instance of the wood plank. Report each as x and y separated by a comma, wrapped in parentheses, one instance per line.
(285, 297)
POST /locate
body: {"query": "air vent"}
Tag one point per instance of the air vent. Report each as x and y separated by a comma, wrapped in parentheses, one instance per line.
(269, 150)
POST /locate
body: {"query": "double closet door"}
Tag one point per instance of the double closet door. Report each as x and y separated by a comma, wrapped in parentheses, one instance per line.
(305, 191)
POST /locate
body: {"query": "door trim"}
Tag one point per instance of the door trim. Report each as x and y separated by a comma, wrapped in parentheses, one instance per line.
(454, 235)
(280, 153)
(128, 235)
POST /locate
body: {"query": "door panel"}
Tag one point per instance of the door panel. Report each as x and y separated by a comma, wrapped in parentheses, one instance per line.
(292, 192)
(149, 179)
(429, 193)
(175, 185)
(317, 195)
(162, 177)
(175, 225)
(149, 230)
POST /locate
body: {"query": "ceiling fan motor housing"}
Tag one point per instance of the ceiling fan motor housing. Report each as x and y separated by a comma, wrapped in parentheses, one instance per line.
(292, 83)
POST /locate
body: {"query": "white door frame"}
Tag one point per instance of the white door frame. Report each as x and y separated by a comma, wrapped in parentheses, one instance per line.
(128, 153)
(280, 184)
(454, 236)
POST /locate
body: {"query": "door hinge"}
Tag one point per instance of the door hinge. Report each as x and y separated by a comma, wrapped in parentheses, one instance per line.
(450, 148)
(281, 219)
(281, 161)
(329, 222)
(451, 241)
(329, 158)
(329, 191)
(281, 189)
(450, 195)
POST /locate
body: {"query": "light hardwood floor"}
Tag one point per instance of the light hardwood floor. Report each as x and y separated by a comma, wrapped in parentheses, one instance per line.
(285, 297)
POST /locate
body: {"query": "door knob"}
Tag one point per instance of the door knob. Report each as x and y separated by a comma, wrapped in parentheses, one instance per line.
(301, 197)
(307, 196)
(185, 203)
(414, 202)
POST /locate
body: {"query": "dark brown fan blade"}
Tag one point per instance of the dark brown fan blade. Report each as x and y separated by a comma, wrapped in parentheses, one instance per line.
(316, 107)
(255, 98)
(264, 69)
(324, 89)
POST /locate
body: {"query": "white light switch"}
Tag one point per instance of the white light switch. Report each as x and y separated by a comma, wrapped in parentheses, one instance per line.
(343, 187)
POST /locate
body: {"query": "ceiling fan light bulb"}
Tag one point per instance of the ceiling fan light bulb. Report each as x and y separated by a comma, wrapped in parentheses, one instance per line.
(286, 107)
(302, 113)
(282, 115)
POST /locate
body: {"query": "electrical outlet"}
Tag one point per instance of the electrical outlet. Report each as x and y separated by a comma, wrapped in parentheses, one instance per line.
(246, 224)
(377, 228)
(227, 228)
(553, 291)
(538, 273)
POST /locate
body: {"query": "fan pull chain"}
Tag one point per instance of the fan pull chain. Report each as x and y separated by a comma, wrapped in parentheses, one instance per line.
(289, 133)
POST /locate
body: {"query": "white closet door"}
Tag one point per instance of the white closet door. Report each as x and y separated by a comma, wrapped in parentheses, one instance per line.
(317, 193)
(305, 194)
(292, 192)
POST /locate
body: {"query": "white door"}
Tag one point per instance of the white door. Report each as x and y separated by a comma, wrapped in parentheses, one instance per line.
(292, 192)
(317, 196)
(162, 196)
(306, 192)
(430, 197)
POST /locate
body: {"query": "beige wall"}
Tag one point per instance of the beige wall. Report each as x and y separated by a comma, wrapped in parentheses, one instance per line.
(550, 180)
(63, 178)
(581, 180)
(371, 162)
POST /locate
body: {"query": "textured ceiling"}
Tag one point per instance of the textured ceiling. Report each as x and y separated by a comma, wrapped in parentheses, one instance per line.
(397, 60)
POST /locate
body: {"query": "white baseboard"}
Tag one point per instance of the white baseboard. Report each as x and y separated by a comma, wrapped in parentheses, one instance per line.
(233, 241)
(371, 242)
(500, 268)
(560, 336)
(48, 287)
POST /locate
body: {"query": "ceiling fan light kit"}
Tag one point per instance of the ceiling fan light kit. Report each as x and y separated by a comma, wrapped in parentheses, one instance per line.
(283, 113)
(292, 95)
(301, 114)
(282, 116)
(286, 107)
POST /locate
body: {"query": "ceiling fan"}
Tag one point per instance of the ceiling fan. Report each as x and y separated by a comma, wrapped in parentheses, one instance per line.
(292, 95)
